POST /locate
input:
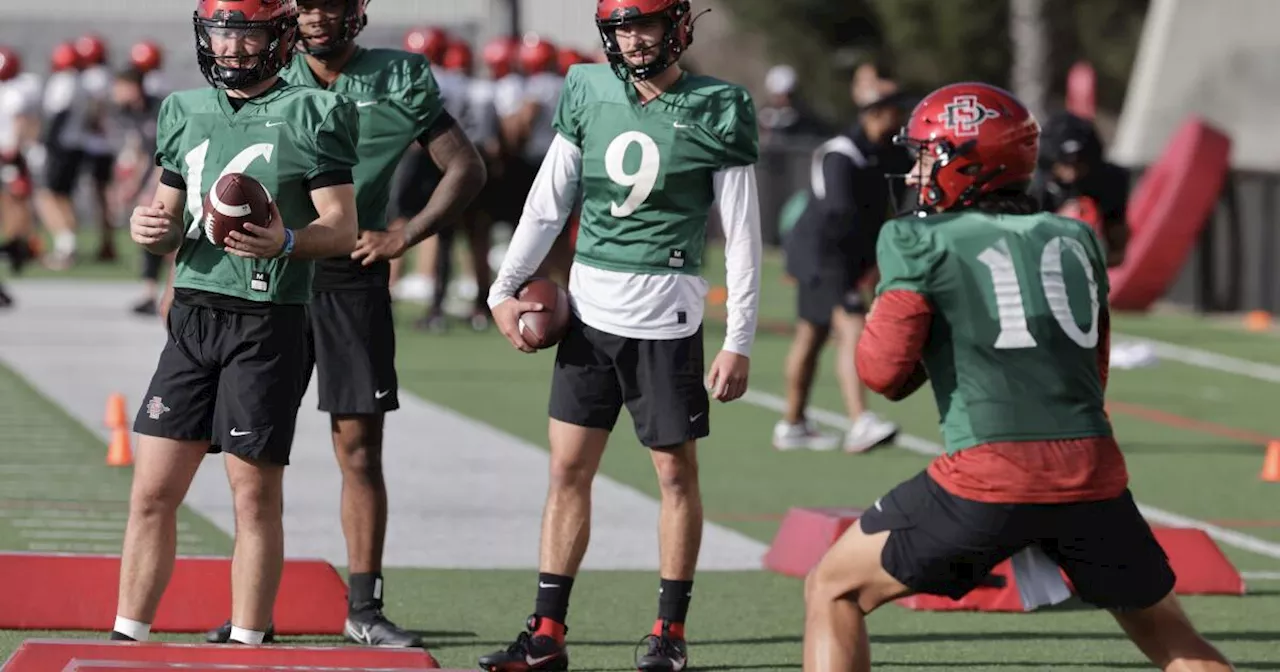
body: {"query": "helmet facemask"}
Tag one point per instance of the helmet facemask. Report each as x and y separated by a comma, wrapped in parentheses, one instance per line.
(950, 170)
(676, 37)
(260, 48)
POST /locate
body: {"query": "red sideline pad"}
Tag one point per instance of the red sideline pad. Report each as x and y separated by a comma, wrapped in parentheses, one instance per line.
(64, 655)
(804, 536)
(78, 592)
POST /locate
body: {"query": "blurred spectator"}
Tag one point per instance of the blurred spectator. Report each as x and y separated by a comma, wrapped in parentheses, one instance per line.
(132, 127)
(1074, 180)
(830, 252)
(786, 115)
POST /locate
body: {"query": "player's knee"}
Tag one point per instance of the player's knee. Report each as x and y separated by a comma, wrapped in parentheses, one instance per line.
(257, 503)
(359, 449)
(571, 474)
(154, 502)
(677, 470)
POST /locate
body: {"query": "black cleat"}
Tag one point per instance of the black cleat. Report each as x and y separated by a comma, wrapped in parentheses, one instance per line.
(369, 627)
(222, 634)
(528, 652)
(663, 653)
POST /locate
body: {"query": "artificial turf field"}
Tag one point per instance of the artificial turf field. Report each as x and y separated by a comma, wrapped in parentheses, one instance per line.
(1193, 438)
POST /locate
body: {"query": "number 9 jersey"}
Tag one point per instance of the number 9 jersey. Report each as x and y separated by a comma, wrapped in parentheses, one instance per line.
(1012, 350)
(647, 169)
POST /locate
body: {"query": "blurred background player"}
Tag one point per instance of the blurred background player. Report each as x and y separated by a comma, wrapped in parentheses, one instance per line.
(416, 170)
(17, 99)
(830, 252)
(1074, 180)
(99, 151)
(132, 127)
(61, 152)
(638, 299)
(1005, 310)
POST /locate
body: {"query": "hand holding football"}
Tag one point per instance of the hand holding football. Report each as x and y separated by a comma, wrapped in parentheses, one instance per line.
(544, 329)
(235, 200)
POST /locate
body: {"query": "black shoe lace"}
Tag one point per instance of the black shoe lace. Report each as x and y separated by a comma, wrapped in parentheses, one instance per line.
(521, 645)
(658, 645)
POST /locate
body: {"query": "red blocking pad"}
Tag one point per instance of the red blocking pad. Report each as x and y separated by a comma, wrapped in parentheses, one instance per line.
(65, 655)
(1201, 567)
(804, 537)
(79, 592)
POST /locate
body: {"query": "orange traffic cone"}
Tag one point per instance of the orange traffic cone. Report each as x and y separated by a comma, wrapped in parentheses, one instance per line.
(118, 453)
(1271, 463)
(115, 417)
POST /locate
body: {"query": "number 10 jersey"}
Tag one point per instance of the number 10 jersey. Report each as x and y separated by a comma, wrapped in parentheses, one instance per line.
(1012, 352)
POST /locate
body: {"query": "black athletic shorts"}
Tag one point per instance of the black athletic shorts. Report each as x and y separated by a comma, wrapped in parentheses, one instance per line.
(660, 382)
(234, 379)
(62, 167)
(354, 344)
(818, 296)
(940, 544)
(102, 167)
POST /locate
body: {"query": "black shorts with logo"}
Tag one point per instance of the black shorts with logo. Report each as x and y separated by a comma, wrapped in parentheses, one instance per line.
(659, 381)
(235, 379)
(354, 344)
(941, 544)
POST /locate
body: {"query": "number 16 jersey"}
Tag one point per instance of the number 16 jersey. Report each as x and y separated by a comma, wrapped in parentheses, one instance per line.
(1012, 352)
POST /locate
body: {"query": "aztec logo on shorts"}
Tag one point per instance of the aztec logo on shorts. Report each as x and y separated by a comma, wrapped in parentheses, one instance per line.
(156, 408)
(964, 114)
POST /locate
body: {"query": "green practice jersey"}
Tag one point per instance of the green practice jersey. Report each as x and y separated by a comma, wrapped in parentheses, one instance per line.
(283, 138)
(398, 99)
(647, 169)
(1013, 350)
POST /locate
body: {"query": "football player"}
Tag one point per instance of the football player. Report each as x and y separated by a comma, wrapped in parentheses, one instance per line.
(65, 105)
(654, 150)
(99, 151)
(1005, 310)
(352, 327)
(236, 365)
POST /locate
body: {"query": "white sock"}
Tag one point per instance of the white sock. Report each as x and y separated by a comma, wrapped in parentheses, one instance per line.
(252, 637)
(132, 629)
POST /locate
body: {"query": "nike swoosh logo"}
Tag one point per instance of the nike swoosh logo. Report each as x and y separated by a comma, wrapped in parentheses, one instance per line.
(533, 662)
(236, 432)
(273, 124)
(366, 103)
(694, 418)
(381, 393)
(548, 585)
(680, 125)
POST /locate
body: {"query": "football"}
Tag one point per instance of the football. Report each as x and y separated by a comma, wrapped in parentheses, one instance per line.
(234, 200)
(543, 329)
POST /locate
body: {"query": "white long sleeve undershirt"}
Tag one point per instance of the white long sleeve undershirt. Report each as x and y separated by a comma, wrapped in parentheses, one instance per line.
(639, 305)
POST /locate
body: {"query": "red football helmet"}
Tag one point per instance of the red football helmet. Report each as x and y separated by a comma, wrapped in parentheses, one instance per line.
(430, 42)
(146, 56)
(91, 50)
(569, 58)
(983, 140)
(10, 64)
(64, 57)
(218, 18)
(354, 19)
(500, 55)
(457, 56)
(537, 55)
(612, 14)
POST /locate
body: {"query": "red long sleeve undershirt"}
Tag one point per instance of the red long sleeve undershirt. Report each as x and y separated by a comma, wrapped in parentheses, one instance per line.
(889, 361)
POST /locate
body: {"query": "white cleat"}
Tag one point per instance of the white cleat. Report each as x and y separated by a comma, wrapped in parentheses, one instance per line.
(867, 432)
(802, 436)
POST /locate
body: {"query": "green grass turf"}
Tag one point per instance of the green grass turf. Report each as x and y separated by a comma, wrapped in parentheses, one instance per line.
(753, 620)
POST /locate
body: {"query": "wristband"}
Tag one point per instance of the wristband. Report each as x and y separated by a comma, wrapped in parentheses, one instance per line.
(287, 249)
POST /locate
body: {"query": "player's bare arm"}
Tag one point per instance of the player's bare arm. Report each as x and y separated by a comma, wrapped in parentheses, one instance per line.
(551, 199)
(464, 175)
(892, 344)
(736, 198)
(157, 227)
(333, 233)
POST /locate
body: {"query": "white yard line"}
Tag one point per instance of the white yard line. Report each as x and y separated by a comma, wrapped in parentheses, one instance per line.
(1205, 359)
(926, 447)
